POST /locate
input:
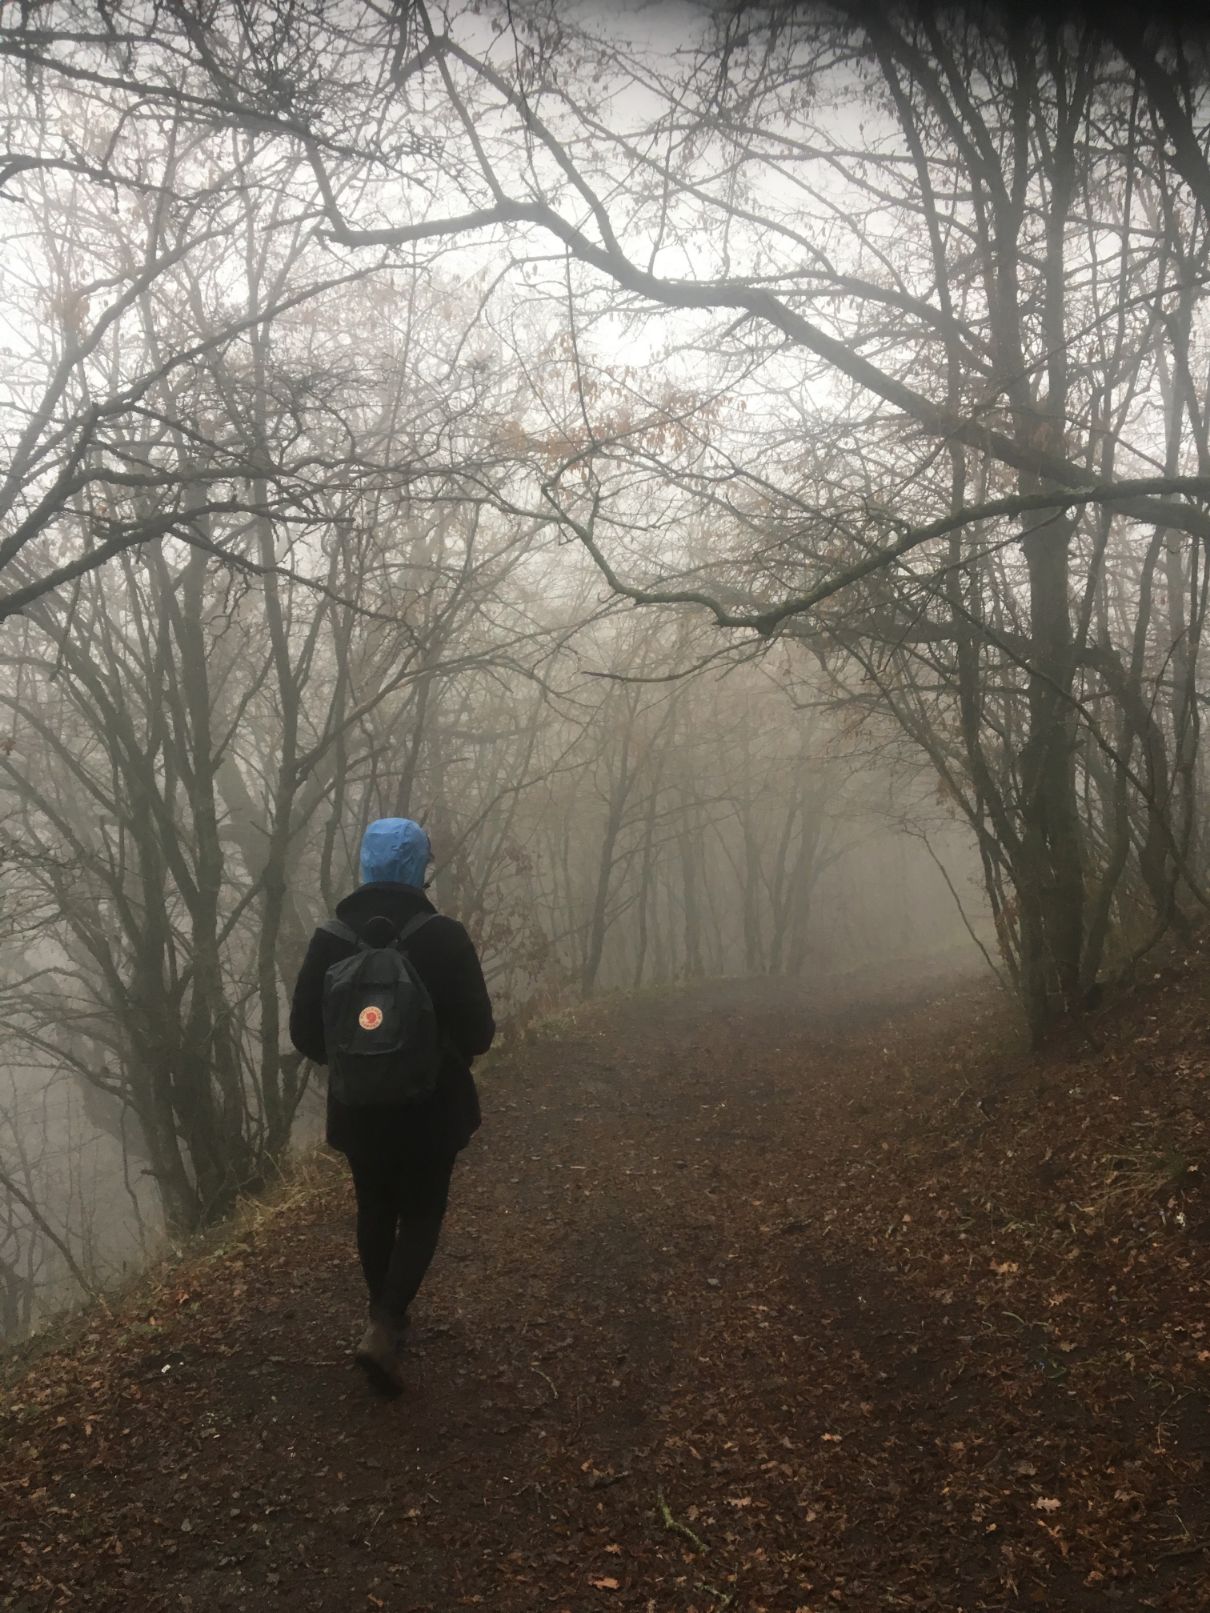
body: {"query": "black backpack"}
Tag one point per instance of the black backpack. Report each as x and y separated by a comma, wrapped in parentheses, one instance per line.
(380, 1030)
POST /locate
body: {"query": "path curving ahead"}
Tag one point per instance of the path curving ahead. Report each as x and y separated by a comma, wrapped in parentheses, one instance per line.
(683, 1349)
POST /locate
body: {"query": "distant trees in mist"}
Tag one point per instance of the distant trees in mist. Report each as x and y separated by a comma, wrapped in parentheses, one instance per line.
(628, 451)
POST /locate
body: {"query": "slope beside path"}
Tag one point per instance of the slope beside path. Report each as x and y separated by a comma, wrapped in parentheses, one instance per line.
(749, 1298)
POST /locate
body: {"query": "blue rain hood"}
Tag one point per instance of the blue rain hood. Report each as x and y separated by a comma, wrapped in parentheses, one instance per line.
(396, 850)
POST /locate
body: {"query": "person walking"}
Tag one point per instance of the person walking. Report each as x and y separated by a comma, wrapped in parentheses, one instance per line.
(400, 1127)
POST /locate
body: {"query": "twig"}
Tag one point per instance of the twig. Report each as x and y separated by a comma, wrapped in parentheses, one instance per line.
(1183, 1551)
(674, 1526)
(723, 1600)
(542, 1375)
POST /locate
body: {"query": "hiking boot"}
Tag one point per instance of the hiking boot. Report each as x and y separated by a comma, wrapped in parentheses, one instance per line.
(376, 1357)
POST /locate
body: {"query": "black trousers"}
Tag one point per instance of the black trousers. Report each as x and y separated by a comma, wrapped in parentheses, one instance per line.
(400, 1206)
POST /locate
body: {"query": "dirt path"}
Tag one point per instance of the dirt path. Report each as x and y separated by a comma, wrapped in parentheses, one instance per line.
(682, 1351)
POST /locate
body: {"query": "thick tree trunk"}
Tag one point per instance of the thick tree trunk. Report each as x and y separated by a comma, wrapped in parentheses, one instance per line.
(1050, 866)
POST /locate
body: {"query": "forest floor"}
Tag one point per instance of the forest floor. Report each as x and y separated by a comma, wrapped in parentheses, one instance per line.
(749, 1299)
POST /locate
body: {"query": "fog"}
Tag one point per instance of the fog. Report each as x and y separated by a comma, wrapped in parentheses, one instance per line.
(739, 479)
(596, 834)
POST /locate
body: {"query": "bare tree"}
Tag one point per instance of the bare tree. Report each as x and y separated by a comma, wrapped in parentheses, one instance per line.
(1019, 352)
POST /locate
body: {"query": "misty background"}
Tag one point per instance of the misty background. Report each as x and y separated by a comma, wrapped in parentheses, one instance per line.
(739, 476)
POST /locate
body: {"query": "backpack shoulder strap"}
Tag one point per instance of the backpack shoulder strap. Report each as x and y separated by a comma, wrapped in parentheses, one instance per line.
(343, 932)
(413, 924)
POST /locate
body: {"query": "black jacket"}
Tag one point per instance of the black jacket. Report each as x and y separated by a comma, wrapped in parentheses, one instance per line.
(444, 957)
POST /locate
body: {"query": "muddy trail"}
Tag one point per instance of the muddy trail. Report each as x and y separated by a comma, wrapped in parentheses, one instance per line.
(747, 1300)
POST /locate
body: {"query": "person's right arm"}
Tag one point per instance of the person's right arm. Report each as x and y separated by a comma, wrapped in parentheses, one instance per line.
(461, 1001)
